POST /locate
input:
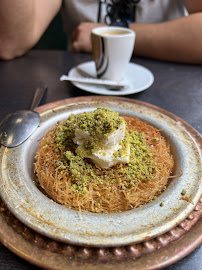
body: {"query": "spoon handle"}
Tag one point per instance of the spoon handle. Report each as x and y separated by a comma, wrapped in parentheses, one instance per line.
(37, 97)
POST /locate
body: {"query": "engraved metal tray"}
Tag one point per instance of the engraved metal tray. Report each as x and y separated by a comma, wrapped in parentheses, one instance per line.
(126, 232)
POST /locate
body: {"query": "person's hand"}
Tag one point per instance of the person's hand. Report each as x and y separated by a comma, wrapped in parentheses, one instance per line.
(80, 38)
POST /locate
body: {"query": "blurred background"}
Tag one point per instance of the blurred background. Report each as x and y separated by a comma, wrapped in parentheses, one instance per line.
(54, 38)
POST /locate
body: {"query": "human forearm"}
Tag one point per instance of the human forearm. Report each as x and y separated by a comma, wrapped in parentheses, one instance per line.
(16, 25)
(22, 23)
(178, 40)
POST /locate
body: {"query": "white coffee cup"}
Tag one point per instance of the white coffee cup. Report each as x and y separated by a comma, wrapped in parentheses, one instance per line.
(112, 50)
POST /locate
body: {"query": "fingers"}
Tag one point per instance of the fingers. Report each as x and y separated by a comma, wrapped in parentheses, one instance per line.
(76, 47)
(80, 37)
(73, 41)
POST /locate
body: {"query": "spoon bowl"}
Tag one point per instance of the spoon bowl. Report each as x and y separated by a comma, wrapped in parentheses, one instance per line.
(16, 127)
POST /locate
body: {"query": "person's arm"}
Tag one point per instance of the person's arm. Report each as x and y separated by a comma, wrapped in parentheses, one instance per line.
(179, 40)
(22, 23)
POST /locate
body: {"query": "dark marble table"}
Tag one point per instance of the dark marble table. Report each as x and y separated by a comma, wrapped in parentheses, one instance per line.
(177, 88)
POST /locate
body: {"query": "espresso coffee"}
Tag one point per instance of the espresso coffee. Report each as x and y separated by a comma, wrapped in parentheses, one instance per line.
(117, 32)
(112, 48)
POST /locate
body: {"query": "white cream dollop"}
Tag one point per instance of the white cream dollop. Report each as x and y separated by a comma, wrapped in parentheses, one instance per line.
(107, 154)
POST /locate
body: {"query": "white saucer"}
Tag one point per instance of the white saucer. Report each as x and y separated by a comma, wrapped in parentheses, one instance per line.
(138, 78)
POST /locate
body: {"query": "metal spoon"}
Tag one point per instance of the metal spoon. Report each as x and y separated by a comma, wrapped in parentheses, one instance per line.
(17, 127)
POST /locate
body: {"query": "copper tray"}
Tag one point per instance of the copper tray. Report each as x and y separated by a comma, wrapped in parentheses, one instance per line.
(152, 254)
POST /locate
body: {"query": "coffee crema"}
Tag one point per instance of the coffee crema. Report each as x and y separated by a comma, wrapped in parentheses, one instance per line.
(115, 32)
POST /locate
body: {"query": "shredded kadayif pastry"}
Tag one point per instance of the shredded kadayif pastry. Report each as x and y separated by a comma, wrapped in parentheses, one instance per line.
(70, 177)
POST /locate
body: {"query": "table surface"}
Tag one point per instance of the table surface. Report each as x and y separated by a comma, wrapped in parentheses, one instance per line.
(177, 88)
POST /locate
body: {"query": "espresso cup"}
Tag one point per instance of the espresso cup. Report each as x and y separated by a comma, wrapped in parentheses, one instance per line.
(112, 48)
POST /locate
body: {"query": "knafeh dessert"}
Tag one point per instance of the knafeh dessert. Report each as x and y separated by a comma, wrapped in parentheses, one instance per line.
(103, 162)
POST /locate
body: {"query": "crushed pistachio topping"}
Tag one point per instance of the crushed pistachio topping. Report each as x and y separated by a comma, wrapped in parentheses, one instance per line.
(183, 192)
(99, 124)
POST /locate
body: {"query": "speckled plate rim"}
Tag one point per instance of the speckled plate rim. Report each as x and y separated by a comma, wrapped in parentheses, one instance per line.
(35, 210)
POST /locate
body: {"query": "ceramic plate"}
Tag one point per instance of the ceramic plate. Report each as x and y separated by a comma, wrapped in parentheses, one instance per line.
(137, 77)
(34, 209)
